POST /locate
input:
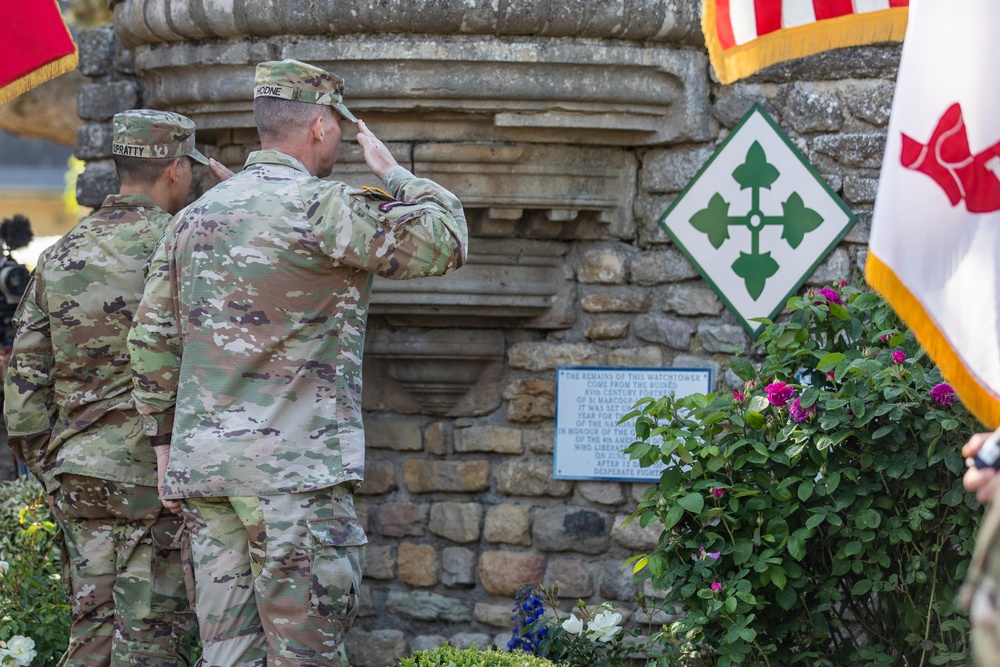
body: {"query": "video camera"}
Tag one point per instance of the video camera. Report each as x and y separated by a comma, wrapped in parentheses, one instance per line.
(15, 233)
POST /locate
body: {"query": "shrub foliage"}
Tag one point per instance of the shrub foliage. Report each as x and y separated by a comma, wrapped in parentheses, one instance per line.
(452, 656)
(817, 516)
(33, 602)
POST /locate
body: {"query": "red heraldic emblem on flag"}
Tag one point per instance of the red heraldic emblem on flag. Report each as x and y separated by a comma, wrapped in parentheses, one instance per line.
(948, 159)
(35, 46)
(934, 249)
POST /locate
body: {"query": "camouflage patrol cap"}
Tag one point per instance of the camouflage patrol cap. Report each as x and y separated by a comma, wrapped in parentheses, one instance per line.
(294, 80)
(149, 133)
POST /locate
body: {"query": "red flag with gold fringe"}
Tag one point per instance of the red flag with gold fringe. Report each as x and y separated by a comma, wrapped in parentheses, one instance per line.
(744, 36)
(35, 46)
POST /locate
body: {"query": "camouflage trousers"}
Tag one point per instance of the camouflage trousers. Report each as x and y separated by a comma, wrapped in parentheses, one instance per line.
(122, 565)
(979, 592)
(277, 578)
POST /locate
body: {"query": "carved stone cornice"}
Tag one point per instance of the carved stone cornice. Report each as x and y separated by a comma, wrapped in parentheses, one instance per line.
(155, 21)
(459, 88)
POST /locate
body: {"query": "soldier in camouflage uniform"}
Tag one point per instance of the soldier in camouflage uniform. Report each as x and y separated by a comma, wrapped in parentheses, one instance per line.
(247, 349)
(69, 409)
(979, 593)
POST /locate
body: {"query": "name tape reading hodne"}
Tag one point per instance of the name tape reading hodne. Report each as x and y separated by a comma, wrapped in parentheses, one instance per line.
(590, 401)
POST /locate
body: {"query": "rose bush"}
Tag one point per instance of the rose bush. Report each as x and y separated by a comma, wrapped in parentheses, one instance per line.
(34, 608)
(816, 515)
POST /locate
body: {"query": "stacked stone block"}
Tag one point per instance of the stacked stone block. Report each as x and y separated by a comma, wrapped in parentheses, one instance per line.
(114, 87)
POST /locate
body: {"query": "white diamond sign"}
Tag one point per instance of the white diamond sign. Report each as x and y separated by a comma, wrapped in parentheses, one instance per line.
(757, 220)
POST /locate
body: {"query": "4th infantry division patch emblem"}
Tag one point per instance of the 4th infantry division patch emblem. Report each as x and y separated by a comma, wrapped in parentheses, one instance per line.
(756, 220)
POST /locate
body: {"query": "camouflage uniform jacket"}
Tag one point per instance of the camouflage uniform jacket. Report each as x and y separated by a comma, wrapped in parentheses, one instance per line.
(68, 389)
(247, 344)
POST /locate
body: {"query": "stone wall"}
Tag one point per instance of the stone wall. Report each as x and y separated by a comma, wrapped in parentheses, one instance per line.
(569, 267)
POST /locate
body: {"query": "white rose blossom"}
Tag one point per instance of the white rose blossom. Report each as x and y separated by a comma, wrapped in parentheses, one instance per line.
(22, 649)
(605, 626)
(573, 625)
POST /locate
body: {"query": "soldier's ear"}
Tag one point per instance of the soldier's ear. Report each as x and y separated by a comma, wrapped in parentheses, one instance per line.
(316, 130)
(173, 168)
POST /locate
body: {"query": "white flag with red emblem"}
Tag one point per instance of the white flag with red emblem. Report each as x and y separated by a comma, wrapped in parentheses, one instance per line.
(934, 250)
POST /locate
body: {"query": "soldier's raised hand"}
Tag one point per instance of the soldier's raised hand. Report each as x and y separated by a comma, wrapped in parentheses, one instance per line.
(221, 171)
(377, 156)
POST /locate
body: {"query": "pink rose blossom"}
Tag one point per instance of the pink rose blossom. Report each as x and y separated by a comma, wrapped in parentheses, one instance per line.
(943, 393)
(799, 413)
(778, 393)
(738, 397)
(831, 295)
(717, 492)
(898, 356)
(716, 587)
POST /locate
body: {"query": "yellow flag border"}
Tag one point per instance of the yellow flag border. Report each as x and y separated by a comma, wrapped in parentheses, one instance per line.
(887, 25)
(39, 76)
(976, 397)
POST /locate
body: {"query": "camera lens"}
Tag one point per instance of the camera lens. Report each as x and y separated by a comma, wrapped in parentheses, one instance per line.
(14, 279)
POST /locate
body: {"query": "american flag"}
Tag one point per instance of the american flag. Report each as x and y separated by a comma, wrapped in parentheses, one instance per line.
(744, 36)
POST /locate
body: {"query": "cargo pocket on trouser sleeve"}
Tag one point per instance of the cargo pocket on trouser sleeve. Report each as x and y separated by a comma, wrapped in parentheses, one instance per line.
(337, 554)
(169, 594)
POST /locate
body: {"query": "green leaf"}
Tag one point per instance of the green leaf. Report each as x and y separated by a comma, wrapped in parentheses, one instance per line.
(868, 519)
(829, 361)
(797, 548)
(756, 420)
(756, 172)
(778, 577)
(755, 270)
(786, 598)
(744, 369)
(839, 311)
(853, 548)
(742, 551)
(883, 431)
(758, 404)
(808, 397)
(799, 220)
(673, 515)
(866, 301)
(692, 502)
(862, 587)
(805, 491)
(713, 220)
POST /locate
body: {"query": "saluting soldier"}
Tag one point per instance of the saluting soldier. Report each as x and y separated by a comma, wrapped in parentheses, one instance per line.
(247, 352)
(70, 414)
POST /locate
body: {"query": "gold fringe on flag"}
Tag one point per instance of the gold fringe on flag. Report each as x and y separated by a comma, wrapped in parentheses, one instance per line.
(976, 397)
(804, 40)
(39, 76)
